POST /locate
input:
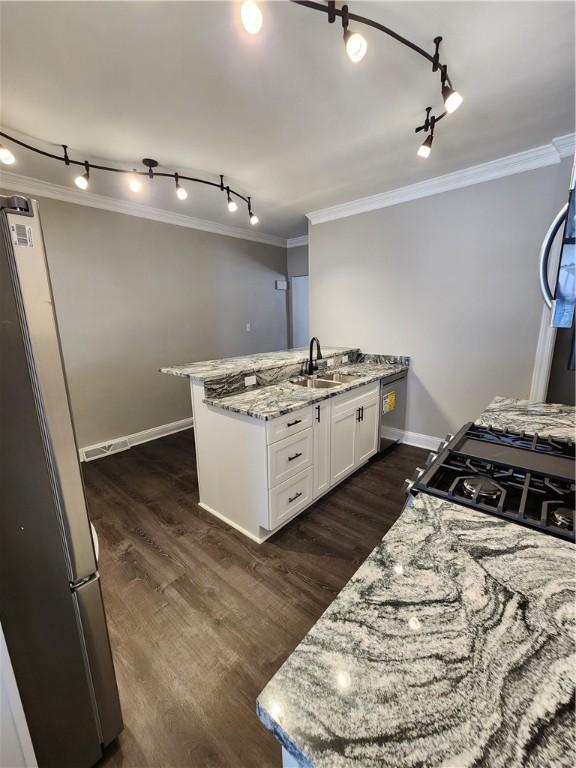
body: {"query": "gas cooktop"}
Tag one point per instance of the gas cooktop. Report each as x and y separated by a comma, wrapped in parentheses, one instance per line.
(517, 476)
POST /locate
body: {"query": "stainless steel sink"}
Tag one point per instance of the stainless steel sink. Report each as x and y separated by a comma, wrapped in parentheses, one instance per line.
(342, 378)
(304, 381)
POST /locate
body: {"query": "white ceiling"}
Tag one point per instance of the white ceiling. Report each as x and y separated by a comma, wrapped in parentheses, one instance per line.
(285, 115)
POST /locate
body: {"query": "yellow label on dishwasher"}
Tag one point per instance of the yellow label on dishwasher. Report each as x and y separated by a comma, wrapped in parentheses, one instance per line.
(389, 402)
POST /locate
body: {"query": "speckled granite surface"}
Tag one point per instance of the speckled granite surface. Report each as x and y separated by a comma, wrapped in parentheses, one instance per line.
(545, 418)
(276, 400)
(453, 645)
(233, 366)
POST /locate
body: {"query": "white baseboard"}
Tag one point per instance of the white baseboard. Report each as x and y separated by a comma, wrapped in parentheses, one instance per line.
(416, 439)
(98, 450)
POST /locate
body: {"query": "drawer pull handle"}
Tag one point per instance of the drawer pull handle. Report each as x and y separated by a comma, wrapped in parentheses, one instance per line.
(296, 455)
(293, 498)
(318, 414)
(293, 423)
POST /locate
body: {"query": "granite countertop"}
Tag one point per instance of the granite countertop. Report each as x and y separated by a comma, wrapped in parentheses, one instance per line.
(451, 647)
(547, 419)
(278, 399)
(234, 366)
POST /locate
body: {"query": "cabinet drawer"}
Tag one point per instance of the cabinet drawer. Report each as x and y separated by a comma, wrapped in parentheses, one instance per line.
(291, 497)
(287, 425)
(288, 457)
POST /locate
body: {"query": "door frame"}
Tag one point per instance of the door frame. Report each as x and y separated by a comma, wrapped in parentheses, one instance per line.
(546, 336)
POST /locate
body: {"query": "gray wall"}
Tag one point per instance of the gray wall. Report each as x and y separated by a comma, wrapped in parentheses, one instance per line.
(450, 280)
(297, 259)
(133, 295)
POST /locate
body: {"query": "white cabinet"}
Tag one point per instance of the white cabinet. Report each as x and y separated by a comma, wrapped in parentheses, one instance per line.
(321, 431)
(367, 430)
(354, 431)
(288, 457)
(291, 497)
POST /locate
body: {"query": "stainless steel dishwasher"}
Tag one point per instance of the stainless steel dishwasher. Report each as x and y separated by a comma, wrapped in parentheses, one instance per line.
(392, 411)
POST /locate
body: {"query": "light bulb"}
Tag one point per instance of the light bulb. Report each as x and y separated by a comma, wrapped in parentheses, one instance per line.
(425, 148)
(181, 192)
(452, 99)
(232, 206)
(356, 46)
(254, 219)
(251, 17)
(134, 183)
(81, 181)
(6, 156)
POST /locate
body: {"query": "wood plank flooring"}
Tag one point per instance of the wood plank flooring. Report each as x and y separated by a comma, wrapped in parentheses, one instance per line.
(200, 617)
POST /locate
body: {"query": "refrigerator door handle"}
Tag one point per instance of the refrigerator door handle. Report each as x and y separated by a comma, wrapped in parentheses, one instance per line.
(547, 294)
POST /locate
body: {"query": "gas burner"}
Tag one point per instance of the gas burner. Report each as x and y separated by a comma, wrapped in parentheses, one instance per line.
(560, 515)
(481, 487)
(564, 517)
(521, 478)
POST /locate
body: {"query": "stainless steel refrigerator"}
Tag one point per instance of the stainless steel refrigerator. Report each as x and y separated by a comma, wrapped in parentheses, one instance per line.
(50, 598)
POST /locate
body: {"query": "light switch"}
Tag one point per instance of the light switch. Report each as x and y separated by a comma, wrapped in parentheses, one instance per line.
(248, 327)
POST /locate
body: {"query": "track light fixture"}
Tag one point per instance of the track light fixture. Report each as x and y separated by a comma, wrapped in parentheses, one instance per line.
(83, 180)
(356, 45)
(133, 178)
(6, 156)
(253, 218)
(426, 147)
(429, 124)
(181, 193)
(251, 16)
(232, 204)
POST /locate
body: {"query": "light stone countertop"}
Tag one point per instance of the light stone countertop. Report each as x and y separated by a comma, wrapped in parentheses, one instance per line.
(547, 419)
(278, 399)
(234, 366)
(452, 645)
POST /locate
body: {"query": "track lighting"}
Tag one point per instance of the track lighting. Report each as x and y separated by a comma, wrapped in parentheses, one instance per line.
(452, 98)
(6, 156)
(356, 45)
(253, 218)
(83, 180)
(251, 16)
(134, 183)
(426, 147)
(232, 205)
(181, 193)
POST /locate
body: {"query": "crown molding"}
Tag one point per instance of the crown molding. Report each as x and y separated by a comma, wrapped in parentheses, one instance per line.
(295, 242)
(538, 157)
(565, 145)
(30, 186)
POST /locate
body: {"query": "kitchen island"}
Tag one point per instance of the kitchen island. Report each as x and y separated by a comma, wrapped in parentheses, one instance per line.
(453, 645)
(271, 440)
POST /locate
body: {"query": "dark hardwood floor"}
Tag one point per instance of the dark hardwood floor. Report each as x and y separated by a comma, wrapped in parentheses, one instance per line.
(200, 617)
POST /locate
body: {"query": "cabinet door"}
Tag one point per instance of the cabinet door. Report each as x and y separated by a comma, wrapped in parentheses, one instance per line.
(321, 432)
(343, 442)
(367, 430)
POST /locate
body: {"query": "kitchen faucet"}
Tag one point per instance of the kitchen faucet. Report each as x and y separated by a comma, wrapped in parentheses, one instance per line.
(313, 366)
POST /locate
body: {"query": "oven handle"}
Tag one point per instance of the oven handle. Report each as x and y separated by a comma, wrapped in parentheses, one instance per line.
(545, 255)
